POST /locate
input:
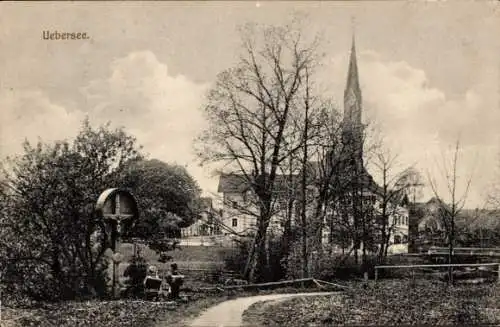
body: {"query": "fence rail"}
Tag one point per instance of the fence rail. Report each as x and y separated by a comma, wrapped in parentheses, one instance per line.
(456, 265)
(493, 252)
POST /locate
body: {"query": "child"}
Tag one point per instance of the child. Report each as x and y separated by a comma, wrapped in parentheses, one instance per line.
(175, 280)
(152, 283)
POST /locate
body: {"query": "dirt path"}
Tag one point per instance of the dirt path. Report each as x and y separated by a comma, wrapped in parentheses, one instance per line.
(229, 313)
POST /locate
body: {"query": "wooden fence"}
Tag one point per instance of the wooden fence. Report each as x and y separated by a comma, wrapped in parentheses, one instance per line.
(490, 252)
(494, 264)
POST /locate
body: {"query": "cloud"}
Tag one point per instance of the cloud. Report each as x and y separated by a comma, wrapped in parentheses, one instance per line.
(161, 110)
(418, 120)
(28, 115)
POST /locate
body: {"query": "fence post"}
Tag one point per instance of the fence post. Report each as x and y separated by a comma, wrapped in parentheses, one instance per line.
(498, 281)
(376, 273)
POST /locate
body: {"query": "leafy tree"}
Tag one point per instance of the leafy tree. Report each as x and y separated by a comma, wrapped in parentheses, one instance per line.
(54, 240)
(168, 196)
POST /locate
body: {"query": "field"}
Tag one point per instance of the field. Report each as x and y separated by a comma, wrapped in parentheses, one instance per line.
(390, 302)
(188, 258)
(184, 254)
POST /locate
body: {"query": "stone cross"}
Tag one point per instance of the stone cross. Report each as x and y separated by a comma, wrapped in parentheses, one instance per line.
(116, 206)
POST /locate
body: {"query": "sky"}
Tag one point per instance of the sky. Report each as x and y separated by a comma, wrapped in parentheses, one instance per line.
(429, 73)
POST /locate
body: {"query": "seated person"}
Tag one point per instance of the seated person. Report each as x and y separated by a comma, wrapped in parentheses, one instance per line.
(175, 280)
(152, 282)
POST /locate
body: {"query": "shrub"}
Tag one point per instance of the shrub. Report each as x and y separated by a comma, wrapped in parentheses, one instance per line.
(136, 272)
(237, 259)
(52, 239)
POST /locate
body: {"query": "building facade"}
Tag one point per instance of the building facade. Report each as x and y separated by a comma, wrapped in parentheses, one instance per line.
(207, 224)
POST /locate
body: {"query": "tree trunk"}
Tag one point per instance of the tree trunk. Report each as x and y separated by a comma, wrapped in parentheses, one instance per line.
(450, 252)
(257, 266)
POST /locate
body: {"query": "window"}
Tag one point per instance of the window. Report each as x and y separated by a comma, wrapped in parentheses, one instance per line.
(235, 222)
(397, 239)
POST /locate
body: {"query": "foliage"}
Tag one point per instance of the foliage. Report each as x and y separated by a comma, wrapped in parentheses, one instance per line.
(329, 266)
(53, 239)
(162, 246)
(135, 272)
(168, 196)
(236, 260)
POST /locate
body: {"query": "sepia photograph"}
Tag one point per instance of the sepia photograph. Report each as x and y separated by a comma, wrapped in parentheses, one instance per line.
(249, 163)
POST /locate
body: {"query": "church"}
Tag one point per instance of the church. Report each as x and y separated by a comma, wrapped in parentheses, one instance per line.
(236, 191)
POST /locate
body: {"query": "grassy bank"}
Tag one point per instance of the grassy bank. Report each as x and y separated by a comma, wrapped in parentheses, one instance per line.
(389, 303)
(120, 313)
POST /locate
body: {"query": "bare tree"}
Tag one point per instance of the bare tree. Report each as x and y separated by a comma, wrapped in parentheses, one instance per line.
(249, 111)
(451, 205)
(395, 186)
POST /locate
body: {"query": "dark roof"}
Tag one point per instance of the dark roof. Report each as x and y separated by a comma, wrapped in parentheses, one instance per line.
(233, 183)
(238, 183)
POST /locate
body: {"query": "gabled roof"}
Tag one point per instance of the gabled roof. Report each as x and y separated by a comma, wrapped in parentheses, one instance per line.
(238, 183)
(233, 183)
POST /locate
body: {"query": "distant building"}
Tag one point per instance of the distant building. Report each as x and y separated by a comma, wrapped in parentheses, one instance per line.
(207, 224)
(239, 204)
(474, 227)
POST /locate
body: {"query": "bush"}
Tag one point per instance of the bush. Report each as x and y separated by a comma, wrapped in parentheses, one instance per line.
(136, 272)
(328, 265)
(237, 259)
(53, 241)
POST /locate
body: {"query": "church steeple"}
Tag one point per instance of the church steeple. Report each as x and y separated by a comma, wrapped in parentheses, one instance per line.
(352, 92)
(352, 128)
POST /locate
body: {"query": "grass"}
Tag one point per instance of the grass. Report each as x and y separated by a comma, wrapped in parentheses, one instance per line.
(389, 303)
(184, 254)
(187, 258)
(122, 313)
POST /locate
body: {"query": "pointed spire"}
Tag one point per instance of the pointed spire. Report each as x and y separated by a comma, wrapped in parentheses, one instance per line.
(352, 74)
(352, 124)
